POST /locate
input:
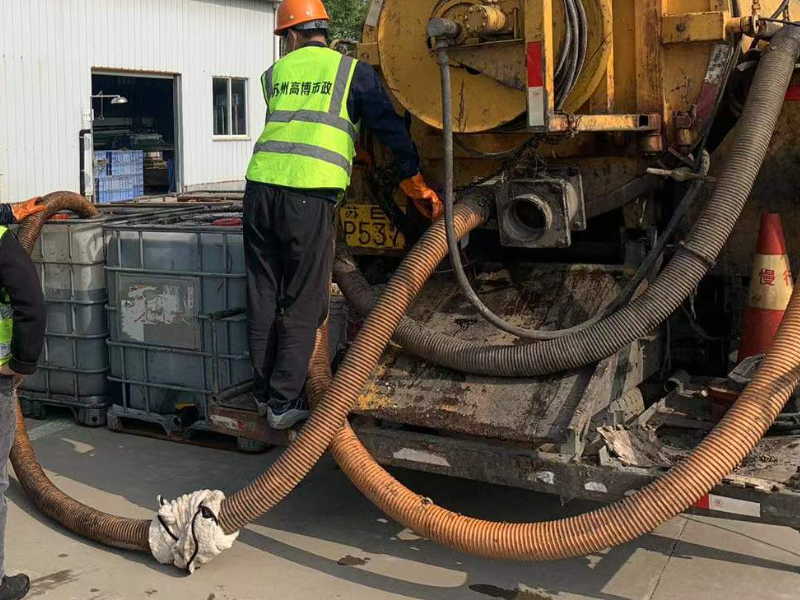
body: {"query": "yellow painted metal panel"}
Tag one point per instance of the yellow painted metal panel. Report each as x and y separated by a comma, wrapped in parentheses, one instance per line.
(694, 27)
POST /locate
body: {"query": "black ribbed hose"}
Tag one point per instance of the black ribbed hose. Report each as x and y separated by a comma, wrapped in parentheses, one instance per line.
(678, 279)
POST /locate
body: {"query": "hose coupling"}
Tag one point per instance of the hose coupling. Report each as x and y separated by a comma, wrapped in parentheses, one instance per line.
(709, 261)
(443, 30)
(682, 174)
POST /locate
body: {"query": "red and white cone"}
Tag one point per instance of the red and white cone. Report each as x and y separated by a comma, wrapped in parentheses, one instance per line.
(770, 289)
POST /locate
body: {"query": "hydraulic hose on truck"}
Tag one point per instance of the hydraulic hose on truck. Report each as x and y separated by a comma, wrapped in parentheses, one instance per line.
(736, 435)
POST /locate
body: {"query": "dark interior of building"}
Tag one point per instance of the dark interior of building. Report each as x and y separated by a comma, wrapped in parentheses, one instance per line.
(145, 122)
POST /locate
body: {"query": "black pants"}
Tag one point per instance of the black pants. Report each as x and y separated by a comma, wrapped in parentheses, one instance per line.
(289, 246)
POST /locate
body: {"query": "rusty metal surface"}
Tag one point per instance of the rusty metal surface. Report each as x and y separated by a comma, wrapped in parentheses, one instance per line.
(239, 418)
(550, 473)
(594, 123)
(775, 459)
(695, 27)
(406, 390)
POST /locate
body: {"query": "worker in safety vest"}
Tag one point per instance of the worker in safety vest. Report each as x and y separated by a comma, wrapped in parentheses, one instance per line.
(22, 325)
(317, 99)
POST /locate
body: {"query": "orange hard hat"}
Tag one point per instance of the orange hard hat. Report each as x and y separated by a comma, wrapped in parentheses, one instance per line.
(294, 13)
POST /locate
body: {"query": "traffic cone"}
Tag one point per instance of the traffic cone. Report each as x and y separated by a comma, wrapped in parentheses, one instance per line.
(770, 289)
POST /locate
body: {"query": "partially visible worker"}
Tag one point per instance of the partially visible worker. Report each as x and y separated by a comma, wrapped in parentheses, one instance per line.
(22, 325)
(317, 99)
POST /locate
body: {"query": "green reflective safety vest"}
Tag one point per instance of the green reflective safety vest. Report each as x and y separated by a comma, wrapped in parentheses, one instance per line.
(6, 319)
(309, 139)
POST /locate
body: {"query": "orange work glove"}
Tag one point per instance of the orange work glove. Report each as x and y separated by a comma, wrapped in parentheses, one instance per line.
(425, 199)
(23, 210)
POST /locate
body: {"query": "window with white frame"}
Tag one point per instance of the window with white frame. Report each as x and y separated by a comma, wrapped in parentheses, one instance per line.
(230, 106)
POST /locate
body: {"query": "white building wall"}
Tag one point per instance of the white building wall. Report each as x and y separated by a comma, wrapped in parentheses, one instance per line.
(48, 49)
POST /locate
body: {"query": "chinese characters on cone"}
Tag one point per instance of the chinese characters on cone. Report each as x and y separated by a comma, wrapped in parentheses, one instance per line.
(770, 289)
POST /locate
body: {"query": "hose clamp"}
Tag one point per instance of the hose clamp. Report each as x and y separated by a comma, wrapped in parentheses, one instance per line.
(709, 262)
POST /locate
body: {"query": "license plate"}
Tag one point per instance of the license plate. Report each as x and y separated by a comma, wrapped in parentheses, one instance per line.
(367, 226)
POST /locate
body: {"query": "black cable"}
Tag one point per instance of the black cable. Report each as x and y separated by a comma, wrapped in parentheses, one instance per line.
(573, 51)
(562, 59)
(650, 260)
(507, 164)
(455, 254)
(166, 528)
(449, 204)
(583, 26)
(782, 21)
(572, 62)
(207, 514)
(780, 9)
(562, 76)
(382, 185)
(627, 293)
(490, 155)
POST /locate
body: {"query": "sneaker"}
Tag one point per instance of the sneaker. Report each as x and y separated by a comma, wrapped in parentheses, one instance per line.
(286, 417)
(15, 587)
(261, 406)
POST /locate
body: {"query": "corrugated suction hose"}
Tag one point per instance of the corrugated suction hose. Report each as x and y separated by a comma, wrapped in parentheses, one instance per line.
(715, 458)
(674, 284)
(119, 532)
(297, 460)
(722, 450)
(353, 373)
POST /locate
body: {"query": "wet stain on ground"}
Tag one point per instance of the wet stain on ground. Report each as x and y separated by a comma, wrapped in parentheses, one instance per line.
(493, 591)
(48, 583)
(352, 561)
(497, 592)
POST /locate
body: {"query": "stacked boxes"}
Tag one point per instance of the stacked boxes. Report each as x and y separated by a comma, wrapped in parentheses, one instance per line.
(119, 175)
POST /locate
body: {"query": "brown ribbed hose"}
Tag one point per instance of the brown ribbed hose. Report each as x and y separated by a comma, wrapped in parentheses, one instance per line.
(326, 421)
(570, 537)
(296, 461)
(715, 458)
(118, 532)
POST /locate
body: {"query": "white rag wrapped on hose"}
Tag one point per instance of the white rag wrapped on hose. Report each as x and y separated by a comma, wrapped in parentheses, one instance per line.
(186, 531)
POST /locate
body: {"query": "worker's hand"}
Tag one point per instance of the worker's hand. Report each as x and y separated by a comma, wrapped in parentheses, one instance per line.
(425, 199)
(6, 371)
(16, 378)
(23, 210)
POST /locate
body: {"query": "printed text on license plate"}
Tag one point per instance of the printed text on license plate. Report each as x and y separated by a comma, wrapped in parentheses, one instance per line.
(367, 226)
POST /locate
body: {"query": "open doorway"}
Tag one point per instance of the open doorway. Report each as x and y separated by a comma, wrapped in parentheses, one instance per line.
(135, 122)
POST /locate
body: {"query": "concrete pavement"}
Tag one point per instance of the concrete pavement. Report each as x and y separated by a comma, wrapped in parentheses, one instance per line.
(327, 542)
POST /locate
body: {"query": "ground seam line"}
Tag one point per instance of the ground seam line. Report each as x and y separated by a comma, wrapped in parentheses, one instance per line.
(672, 550)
